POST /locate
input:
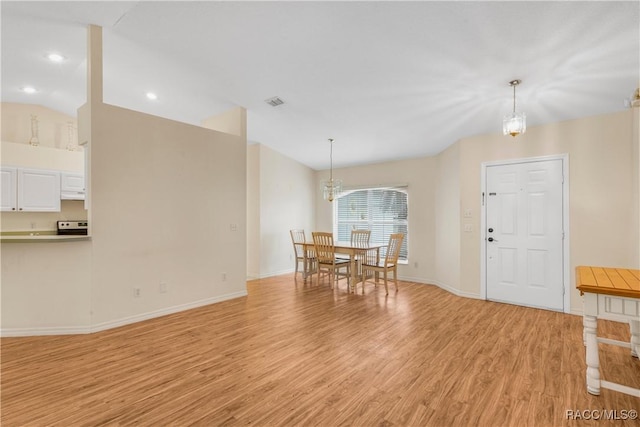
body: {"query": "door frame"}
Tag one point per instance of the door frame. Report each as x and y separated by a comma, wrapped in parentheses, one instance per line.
(566, 265)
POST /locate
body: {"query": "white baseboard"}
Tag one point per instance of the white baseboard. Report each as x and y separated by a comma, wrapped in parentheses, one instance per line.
(456, 291)
(576, 312)
(31, 332)
(276, 273)
(163, 312)
(66, 330)
(75, 330)
(442, 286)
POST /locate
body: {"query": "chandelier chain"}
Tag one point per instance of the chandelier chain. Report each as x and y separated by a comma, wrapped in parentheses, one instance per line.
(331, 160)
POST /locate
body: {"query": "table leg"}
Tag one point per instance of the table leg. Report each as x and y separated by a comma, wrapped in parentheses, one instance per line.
(593, 360)
(377, 273)
(305, 265)
(635, 337)
(354, 272)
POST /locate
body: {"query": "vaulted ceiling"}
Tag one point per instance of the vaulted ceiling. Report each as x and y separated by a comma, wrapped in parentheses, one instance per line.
(387, 80)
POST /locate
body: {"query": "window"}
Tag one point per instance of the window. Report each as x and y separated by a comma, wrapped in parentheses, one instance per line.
(381, 210)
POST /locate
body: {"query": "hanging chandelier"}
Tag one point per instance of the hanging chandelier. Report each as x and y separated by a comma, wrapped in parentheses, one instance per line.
(515, 123)
(332, 188)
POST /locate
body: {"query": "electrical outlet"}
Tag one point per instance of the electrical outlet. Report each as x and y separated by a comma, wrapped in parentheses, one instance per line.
(136, 292)
(162, 288)
(468, 228)
(467, 213)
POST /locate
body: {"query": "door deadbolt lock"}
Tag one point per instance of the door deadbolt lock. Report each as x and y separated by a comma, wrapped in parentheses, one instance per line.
(490, 230)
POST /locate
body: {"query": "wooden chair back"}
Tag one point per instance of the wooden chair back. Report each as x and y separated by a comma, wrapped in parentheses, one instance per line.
(325, 249)
(360, 238)
(393, 249)
(371, 265)
(297, 238)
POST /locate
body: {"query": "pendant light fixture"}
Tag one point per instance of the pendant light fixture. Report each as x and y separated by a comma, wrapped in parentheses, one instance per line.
(332, 188)
(515, 123)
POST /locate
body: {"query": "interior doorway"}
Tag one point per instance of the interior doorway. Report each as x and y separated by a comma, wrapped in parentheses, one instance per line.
(525, 232)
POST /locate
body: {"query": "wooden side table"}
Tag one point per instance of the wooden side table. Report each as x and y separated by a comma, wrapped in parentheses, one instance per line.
(612, 294)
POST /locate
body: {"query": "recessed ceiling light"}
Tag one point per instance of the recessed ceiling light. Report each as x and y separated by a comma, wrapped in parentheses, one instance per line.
(28, 89)
(56, 57)
(152, 96)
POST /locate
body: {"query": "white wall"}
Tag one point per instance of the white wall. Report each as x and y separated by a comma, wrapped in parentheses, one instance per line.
(635, 178)
(168, 206)
(46, 288)
(447, 234)
(42, 157)
(603, 226)
(53, 126)
(420, 175)
(603, 163)
(283, 198)
(166, 199)
(253, 211)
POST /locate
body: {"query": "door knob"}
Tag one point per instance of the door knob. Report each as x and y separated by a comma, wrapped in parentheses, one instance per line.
(491, 239)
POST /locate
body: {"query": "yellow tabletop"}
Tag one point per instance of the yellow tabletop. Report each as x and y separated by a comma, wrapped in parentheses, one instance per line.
(622, 282)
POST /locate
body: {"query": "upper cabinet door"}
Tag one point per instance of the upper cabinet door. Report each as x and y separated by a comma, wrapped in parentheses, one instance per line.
(72, 186)
(72, 182)
(9, 183)
(38, 190)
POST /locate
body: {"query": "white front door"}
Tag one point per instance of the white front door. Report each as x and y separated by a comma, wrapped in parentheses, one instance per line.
(524, 235)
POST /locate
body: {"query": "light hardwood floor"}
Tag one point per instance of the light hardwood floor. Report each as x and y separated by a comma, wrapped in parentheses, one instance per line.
(301, 354)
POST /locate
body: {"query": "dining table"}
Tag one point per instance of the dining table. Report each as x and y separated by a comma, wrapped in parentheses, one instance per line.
(345, 248)
(611, 294)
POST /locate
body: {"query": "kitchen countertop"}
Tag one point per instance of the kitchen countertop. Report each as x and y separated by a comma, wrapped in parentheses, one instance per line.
(38, 237)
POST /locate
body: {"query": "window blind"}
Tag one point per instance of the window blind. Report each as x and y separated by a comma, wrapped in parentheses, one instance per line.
(382, 210)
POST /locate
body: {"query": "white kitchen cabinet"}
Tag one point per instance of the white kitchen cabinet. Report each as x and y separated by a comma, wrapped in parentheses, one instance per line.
(72, 186)
(30, 190)
(9, 188)
(38, 190)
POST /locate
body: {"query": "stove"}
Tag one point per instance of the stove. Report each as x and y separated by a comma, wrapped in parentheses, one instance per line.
(73, 228)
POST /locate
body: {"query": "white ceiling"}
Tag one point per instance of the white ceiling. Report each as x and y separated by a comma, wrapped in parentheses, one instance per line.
(387, 80)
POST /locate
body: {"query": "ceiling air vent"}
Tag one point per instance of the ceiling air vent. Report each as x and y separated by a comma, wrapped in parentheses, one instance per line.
(274, 102)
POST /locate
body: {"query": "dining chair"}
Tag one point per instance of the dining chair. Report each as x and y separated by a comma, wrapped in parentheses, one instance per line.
(360, 239)
(326, 256)
(371, 263)
(298, 239)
